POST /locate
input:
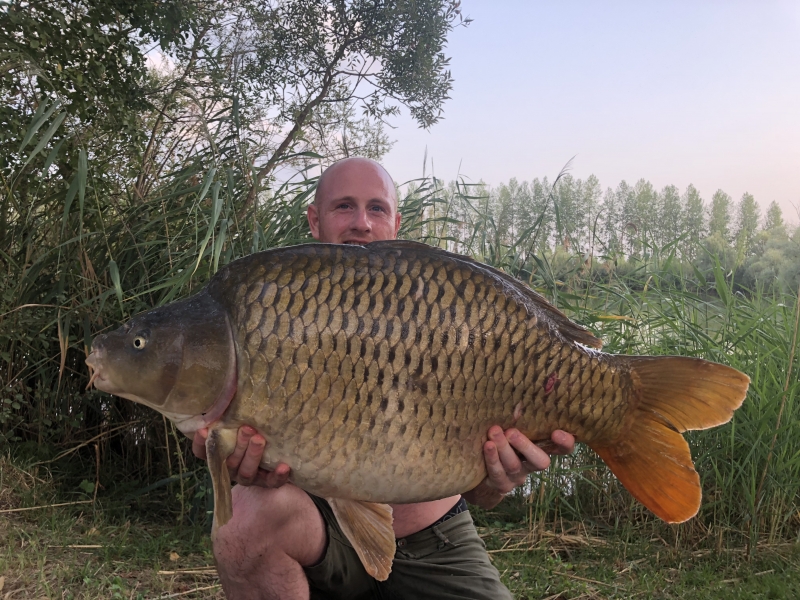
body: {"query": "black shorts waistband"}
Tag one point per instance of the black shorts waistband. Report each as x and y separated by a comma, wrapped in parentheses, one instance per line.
(458, 508)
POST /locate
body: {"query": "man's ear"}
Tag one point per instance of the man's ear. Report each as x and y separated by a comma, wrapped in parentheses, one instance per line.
(312, 213)
(397, 218)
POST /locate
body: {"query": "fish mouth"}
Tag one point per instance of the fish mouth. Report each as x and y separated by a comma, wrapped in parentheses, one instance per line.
(96, 378)
(356, 242)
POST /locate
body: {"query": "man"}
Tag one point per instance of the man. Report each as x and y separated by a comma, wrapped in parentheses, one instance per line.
(284, 543)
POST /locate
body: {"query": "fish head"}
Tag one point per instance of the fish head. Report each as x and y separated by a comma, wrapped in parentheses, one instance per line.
(178, 359)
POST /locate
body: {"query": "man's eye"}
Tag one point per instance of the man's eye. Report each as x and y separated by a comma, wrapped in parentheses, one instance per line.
(378, 208)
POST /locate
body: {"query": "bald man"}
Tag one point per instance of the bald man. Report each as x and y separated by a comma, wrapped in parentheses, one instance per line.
(284, 543)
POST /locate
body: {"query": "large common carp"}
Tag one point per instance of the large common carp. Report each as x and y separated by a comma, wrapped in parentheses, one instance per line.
(376, 372)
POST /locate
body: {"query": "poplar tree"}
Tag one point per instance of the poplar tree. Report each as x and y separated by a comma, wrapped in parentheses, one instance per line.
(627, 217)
(774, 218)
(639, 209)
(719, 221)
(694, 222)
(609, 223)
(747, 218)
(669, 226)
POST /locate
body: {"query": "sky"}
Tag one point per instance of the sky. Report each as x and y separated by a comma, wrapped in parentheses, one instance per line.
(706, 93)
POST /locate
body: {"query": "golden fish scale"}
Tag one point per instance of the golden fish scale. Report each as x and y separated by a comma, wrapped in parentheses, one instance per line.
(377, 375)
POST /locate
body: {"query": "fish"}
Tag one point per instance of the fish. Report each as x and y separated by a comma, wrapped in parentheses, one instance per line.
(376, 371)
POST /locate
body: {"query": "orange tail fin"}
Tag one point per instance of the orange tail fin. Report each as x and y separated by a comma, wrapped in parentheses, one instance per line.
(673, 394)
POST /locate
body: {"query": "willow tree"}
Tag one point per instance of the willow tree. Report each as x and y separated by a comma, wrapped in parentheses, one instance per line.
(135, 139)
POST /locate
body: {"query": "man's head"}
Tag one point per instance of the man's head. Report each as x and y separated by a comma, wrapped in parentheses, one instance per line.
(355, 203)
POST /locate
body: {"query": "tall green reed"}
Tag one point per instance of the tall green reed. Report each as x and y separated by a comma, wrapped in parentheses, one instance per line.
(83, 254)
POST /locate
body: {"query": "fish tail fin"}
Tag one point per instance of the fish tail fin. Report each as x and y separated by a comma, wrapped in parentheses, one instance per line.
(672, 394)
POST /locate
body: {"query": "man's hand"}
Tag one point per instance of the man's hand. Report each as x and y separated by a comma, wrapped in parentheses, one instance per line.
(244, 463)
(510, 457)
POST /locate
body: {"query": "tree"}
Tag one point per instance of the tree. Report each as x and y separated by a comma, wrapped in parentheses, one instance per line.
(693, 221)
(670, 223)
(295, 57)
(719, 220)
(778, 263)
(609, 225)
(627, 216)
(272, 78)
(747, 218)
(89, 53)
(774, 218)
(639, 213)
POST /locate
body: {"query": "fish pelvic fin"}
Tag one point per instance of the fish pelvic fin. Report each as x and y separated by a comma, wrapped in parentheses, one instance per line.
(368, 526)
(220, 444)
(673, 394)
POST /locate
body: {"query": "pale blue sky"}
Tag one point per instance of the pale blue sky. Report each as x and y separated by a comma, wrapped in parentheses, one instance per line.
(674, 92)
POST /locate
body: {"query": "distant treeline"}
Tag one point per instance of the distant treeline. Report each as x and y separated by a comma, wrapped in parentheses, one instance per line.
(622, 227)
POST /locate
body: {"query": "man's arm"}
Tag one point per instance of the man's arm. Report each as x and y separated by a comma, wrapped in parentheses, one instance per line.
(506, 470)
(244, 463)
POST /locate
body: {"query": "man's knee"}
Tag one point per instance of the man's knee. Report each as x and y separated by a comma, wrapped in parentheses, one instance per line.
(269, 522)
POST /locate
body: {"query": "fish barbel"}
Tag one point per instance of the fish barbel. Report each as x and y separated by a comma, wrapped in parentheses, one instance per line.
(375, 373)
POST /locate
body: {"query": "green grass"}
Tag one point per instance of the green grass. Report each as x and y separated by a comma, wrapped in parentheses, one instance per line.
(80, 553)
(84, 550)
(71, 554)
(576, 565)
(97, 551)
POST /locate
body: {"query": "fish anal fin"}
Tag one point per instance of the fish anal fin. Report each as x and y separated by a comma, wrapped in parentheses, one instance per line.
(220, 444)
(654, 464)
(368, 526)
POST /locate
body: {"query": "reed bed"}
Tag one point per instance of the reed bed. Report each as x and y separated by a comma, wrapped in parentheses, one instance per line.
(78, 259)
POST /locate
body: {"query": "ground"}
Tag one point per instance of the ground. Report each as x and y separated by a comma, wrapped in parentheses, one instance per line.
(83, 548)
(73, 552)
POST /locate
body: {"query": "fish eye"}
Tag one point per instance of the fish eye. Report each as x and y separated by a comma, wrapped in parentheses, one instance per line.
(139, 342)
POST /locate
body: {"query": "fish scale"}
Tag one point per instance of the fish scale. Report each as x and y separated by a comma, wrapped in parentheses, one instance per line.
(430, 370)
(376, 372)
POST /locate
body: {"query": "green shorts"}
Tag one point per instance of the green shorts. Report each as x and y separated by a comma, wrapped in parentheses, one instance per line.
(448, 560)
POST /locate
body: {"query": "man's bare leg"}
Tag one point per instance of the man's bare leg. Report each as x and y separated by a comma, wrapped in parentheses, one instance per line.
(273, 534)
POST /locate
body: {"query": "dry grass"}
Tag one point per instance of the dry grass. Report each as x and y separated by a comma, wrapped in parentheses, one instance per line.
(76, 550)
(578, 565)
(60, 555)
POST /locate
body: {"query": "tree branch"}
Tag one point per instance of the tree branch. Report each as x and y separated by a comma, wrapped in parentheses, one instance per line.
(299, 121)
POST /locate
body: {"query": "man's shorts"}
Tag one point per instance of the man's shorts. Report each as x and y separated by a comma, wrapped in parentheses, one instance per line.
(444, 561)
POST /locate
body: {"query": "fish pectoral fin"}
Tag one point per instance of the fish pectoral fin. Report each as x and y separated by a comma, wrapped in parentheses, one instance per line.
(674, 394)
(368, 526)
(220, 444)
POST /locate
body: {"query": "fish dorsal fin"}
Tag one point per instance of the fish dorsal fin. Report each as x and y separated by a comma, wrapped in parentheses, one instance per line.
(220, 444)
(568, 329)
(368, 526)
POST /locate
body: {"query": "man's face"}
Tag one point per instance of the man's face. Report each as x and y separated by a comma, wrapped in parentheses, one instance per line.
(355, 204)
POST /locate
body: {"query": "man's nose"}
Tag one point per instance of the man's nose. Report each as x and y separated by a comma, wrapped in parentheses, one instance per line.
(361, 221)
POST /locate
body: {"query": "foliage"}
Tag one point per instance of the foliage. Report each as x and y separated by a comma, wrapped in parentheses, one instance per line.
(653, 303)
(125, 187)
(101, 550)
(102, 216)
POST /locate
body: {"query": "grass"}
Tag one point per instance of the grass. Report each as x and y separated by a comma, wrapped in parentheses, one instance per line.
(91, 551)
(83, 550)
(567, 566)
(78, 554)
